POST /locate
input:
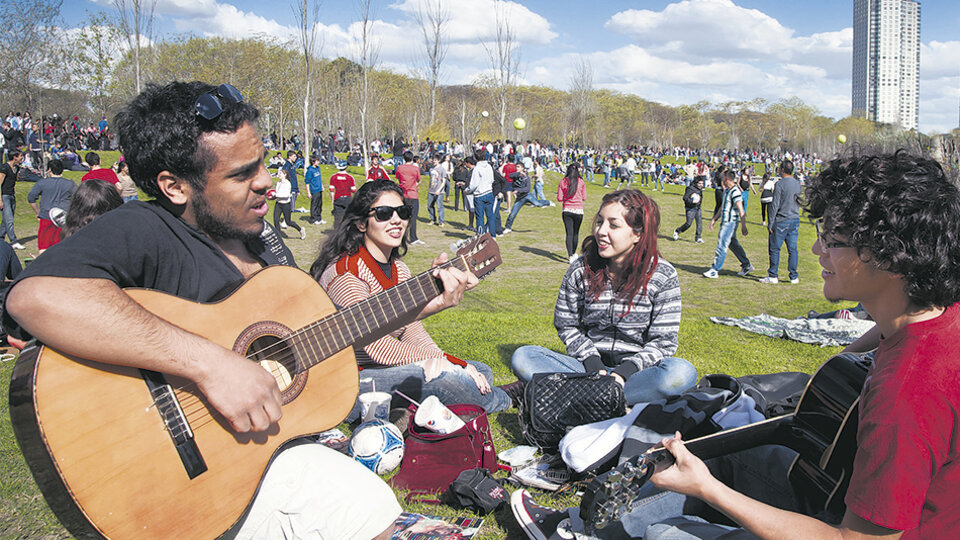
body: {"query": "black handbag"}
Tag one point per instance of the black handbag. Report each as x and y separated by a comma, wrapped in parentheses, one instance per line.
(555, 402)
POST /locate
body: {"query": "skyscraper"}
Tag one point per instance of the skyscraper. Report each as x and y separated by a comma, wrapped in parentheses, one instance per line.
(886, 61)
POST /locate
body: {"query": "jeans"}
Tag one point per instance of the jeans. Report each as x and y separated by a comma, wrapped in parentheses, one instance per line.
(483, 205)
(451, 386)
(9, 209)
(589, 170)
(727, 237)
(538, 192)
(528, 198)
(412, 228)
(658, 181)
(760, 473)
(497, 228)
(693, 214)
(784, 230)
(670, 377)
(435, 200)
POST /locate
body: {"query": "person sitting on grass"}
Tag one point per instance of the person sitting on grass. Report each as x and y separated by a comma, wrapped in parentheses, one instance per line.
(362, 258)
(618, 311)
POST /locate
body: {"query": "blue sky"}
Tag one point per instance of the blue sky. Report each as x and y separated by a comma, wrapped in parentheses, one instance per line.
(674, 52)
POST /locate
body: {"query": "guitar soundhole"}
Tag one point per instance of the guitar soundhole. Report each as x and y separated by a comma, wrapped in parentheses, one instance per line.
(264, 343)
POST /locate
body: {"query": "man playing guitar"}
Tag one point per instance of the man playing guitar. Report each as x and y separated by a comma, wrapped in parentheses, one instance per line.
(194, 148)
(888, 236)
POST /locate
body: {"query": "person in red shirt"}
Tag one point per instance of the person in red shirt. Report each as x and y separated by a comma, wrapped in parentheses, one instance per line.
(888, 236)
(376, 170)
(342, 187)
(506, 170)
(408, 176)
(97, 172)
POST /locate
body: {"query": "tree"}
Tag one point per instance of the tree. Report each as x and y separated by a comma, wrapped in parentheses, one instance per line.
(135, 18)
(432, 18)
(505, 60)
(582, 104)
(95, 50)
(29, 48)
(367, 53)
(307, 19)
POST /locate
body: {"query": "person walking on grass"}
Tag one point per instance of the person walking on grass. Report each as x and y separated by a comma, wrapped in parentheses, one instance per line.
(314, 181)
(571, 193)
(784, 224)
(692, 200)
(435, 193)
(8, 196)
(283, 206)
(730, 214)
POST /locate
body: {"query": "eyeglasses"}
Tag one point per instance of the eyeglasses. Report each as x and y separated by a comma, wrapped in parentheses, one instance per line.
(210, 106)
(384, 213)
(823, 240)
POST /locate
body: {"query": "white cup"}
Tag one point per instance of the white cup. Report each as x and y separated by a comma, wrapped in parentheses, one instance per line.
(435, 416)
(375, 406)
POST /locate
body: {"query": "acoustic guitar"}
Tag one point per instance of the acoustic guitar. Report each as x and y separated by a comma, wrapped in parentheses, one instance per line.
(120, 452)
(822, 430)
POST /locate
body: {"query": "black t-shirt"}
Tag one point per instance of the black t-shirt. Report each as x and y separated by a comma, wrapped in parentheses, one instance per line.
(140, 244)
(9, 180)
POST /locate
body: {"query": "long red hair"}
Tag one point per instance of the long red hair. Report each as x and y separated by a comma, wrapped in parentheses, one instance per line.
(643, 216)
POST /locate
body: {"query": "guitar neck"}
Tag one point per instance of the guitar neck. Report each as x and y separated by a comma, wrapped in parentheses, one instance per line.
(364, 322)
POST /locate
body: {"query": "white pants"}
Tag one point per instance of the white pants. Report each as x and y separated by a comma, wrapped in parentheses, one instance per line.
(311, 491)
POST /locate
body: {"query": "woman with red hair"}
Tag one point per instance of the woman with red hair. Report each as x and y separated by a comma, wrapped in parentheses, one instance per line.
(618, 311)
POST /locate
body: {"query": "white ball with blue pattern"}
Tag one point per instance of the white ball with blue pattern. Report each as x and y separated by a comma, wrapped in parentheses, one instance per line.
(378, 445)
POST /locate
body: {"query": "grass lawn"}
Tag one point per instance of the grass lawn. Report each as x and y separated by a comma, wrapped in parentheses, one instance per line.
(514, 306)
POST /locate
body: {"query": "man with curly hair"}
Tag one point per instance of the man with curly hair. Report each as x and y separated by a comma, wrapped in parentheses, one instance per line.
(888, 236)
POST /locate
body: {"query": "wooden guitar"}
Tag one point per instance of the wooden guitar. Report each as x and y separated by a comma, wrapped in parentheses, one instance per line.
(120, 452)
(822, 430)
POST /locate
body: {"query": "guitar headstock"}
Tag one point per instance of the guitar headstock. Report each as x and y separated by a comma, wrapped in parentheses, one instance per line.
(481, 253)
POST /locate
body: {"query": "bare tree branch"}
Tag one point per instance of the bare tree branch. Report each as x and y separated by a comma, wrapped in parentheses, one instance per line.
(433, 17)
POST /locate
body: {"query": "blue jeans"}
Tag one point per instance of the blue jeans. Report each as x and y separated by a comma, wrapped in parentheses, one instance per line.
(450, 387)
(538, 193)
(760, 473)
(528, 198)
(727, 237)
(9, 209)
(658, 181)
(484, 210)
(670, 377)
(435, 200)
(785, 230)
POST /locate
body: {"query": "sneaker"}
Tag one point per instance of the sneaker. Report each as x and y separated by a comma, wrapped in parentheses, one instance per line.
(745, 270)
(676, 236)
(507, 231)
(711, 273)
(417, 243)
(283, 224)
(515, 391)
(303, 233)
(552, 203)
(795, 281)
(539, 522)
(699, 240)
(17, 245)
(769, 280)
(322, 222)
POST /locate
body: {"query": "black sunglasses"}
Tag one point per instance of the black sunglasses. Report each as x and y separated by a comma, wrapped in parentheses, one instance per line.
(384, 213)
(210, 106)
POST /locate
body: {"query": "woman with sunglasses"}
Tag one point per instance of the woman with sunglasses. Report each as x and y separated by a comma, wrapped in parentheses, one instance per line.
(360, 259)
(618, 311)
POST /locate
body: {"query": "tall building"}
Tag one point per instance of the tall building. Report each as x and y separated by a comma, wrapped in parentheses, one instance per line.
(886, 61)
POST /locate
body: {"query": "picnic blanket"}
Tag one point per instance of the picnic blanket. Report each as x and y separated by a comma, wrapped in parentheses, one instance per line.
(823, 332)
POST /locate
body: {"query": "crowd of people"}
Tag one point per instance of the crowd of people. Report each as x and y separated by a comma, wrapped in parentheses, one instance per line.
(888, 236)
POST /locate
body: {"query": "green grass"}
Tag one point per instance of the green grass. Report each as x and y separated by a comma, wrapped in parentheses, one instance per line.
(514, 306)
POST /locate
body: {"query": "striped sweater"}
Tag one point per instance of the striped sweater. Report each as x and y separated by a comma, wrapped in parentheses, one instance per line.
(602, 334)
(411, 343)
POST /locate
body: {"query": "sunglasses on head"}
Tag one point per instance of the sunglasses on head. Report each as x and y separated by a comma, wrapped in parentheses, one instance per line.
(210, 105)
(384, 213)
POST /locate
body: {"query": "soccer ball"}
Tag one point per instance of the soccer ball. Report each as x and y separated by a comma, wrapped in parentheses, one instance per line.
(695, 198)
(378, 445)
(519, 123)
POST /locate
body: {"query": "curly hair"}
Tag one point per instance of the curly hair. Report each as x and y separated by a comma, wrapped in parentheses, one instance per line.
(347, 237)
(899, 210)
(643, 216)
(159, 130)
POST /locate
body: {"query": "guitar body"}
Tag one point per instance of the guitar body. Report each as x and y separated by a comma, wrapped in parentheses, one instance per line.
(105, 458)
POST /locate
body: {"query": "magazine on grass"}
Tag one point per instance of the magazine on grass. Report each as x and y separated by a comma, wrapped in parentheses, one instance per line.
(426, 527)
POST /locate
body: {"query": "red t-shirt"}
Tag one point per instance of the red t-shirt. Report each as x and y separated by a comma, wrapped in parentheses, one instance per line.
(342, 185)
(508, 169)
(906, 474)
(377, 172)
(101, 174)
(408, 176)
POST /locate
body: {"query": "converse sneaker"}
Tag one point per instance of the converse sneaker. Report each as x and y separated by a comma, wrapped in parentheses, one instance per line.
(711, 273)
(745, 270)
(769, 280)
(699, 240)
(676, 236)
(507, 231)
(17, 245)
(539, 522)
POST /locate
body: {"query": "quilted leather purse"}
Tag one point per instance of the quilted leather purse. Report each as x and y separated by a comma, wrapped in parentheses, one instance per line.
(555, 402)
